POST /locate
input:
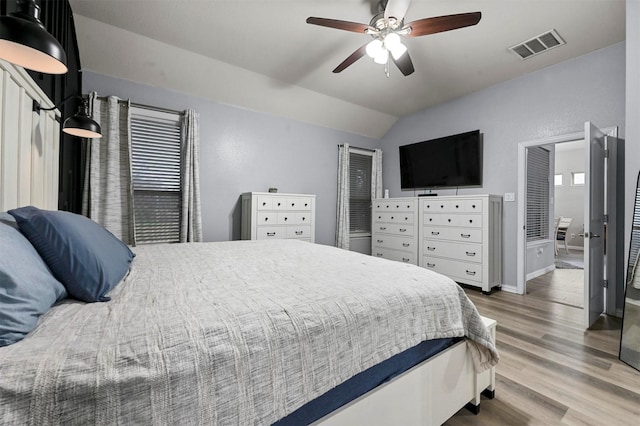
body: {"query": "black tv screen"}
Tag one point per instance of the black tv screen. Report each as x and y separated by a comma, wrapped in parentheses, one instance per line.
(451, 161)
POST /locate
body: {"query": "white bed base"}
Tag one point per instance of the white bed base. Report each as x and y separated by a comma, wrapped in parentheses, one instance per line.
(428, 394)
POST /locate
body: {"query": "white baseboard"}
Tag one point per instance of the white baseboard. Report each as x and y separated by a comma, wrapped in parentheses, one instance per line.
(535, 274)
(509, 288)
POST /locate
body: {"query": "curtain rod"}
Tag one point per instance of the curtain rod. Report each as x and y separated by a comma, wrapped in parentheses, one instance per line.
(355, 147)
(151, 107)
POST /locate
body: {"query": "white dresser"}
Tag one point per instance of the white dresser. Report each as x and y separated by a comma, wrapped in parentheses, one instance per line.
(394, 229)
(268, 215)
(461, 237)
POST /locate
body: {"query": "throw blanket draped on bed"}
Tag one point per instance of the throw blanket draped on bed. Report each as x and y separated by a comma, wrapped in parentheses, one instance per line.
(238, 332)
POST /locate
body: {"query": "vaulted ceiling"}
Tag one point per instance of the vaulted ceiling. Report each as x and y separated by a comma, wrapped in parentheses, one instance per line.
(261, 54)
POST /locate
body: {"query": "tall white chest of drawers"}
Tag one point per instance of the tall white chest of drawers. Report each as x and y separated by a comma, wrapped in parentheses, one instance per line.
(461, 237)
(267, 215)
(395, 229)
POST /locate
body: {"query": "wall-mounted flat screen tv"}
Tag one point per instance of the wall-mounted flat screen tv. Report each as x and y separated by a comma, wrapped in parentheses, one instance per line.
(451, 161)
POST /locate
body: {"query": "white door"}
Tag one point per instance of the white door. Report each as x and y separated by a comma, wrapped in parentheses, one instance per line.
(594, 211)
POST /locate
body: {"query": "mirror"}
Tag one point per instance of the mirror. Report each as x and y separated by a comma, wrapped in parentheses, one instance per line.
(630, 336)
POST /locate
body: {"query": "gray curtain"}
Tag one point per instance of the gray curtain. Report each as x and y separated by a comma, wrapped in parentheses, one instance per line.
(107, 194)
(376, 174)
(342, 219)
(191, 226)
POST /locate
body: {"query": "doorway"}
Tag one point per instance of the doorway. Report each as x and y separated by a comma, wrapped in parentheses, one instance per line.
(559, 277)
(601, 230)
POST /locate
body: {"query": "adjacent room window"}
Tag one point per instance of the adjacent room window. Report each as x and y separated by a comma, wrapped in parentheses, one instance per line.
(557, 180)
(360, 193)
(538, 174)
(577, 178)
(156, 166)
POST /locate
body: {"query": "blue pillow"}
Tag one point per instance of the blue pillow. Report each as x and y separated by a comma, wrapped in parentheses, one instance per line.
(27, 287)
(83, 255)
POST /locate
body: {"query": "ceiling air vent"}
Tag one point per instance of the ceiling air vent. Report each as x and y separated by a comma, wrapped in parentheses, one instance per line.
(537, 44)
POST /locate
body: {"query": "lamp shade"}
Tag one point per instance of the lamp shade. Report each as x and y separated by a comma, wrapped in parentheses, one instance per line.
(82, 126)
(25, 42)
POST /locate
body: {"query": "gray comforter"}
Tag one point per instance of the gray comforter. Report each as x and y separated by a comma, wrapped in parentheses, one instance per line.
(238, 332)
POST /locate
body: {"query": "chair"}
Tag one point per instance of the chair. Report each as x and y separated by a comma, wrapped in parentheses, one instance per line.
(562, 226)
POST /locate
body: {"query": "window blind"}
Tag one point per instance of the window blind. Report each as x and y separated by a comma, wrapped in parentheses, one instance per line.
(155, 163)
(360, 193)
(537, 194)
(635, 235)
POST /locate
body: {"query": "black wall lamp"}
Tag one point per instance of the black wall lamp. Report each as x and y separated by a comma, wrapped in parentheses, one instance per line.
(80, 124)
(24, 41)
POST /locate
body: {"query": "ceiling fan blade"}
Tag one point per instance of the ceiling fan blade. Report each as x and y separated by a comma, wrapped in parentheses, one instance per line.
(404, 63)
(440, 24)
(359, 53)
(341, 25)
(396, 9)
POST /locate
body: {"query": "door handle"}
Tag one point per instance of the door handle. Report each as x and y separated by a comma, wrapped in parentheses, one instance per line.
(591, 235)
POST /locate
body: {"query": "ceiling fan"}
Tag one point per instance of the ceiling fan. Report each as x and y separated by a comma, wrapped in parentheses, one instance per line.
(388, 26)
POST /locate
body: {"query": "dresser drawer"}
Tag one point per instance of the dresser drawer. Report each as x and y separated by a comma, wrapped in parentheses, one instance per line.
(396, 217)
(394, 242)
(264, 202)
(470, 235)
(459, 251)
(303, 218)
(298, 203)
(457, 270)
(271, 232)
(443, 206)
(394, 206)
(444, 219)
(452, 206)
(400, 256)
(298, 231)
(266, 218)
(286, 218)
(392, 228)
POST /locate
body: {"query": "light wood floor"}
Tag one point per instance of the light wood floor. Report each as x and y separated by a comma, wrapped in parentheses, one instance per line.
(564, 286)
(552, 371)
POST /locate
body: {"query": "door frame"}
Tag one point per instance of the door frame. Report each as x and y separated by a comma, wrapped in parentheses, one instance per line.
(521, 251)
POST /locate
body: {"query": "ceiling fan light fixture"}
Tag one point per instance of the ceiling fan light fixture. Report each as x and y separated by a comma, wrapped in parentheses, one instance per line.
(391, 39)
(375, 48)
(397, 50)
(382, 57)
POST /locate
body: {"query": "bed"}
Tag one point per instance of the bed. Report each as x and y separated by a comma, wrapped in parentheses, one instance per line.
(243, 332)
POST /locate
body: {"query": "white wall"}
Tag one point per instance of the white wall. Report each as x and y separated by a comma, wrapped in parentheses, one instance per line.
(569, 199)
(554, 101)
(540, 258)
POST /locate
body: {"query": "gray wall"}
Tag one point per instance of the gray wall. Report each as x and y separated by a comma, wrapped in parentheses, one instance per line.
(244, 151)
(554, 101)
(569, 199)
(632, 145)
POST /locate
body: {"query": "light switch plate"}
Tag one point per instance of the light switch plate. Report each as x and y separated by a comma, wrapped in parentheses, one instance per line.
(509, 196)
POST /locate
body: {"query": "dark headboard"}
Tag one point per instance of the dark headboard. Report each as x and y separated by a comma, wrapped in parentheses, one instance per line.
(57, 17)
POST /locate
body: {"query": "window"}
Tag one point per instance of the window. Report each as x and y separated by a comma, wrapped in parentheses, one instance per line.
(635, 236)
(557, 180)
(537, 194)
(156, 166)
(360, 192)
(577, 178)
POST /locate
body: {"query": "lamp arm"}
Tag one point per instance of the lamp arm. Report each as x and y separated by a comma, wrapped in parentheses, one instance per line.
(38, 108)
